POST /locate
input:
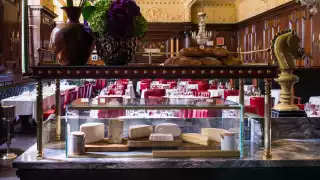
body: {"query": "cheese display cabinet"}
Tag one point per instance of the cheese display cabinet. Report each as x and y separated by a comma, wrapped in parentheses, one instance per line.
(153, 127)
(91, 128)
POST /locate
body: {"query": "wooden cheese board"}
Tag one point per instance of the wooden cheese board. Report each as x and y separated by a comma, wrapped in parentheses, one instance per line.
(190, 146)
(104, 146)
(145, 143)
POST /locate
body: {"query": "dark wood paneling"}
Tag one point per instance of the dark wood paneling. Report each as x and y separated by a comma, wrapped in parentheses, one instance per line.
(160, 33)
(10, 47)
(41, 21)
(258, 32)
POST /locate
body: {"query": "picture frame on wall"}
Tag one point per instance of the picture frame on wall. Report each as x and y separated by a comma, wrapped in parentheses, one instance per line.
(220, 41)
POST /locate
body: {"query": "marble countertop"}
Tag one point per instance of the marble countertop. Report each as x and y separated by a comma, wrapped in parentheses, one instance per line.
(286, 153)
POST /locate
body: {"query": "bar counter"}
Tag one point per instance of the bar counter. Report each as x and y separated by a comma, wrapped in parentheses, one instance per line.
(289, 156)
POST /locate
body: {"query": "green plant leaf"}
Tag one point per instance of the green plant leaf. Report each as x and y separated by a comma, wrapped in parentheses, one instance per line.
(87, 11)
(87, 4)
(69, 3)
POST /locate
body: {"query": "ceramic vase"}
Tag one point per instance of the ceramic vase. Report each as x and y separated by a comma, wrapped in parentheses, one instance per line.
(70, 41)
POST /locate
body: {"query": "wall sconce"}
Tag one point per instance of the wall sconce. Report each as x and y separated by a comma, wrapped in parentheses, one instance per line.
(316, 42)
(14, 38)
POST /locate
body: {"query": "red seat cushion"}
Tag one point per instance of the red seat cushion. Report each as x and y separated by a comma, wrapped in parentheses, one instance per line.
(258, 102)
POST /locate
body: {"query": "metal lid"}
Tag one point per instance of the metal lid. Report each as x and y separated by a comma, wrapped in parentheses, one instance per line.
(77, 133)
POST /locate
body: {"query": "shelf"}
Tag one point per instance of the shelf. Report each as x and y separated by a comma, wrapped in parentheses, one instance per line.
(154, 71)
(166, 103)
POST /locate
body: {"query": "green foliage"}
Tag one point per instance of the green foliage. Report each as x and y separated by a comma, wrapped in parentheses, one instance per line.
(69, 3)
(140, 26)
(87, 11)
(95, 15)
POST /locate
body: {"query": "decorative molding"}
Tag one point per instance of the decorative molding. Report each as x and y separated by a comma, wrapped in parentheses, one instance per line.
(155, 14)
(43, 10)
(249, 8)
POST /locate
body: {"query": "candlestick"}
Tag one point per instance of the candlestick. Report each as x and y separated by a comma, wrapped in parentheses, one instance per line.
(172, 47)
(177, 46)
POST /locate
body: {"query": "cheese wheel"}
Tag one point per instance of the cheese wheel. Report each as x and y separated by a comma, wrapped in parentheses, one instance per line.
(140, 131)
(195, 138)
(93, 132)
(213, 133)
(160, 137)
(168, 128)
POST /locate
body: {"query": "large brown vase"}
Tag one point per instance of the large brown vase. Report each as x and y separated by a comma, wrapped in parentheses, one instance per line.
(70, 41)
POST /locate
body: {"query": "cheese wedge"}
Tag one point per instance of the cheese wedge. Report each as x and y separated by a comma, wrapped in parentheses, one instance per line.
(160, 137)
(168, 128)
(140, 131)
(213, 133)
(93, 132)
(195, 139)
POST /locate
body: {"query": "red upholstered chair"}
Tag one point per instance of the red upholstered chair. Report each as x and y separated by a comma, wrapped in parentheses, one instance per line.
(99, 85)
(203, 87)
(173, 85)
(155, 92)
(214, 86)
(201, 93)
(163, 81)
(53, 108)
(258, 102)
(144, 86)
(73, 96)
(81, 92)
(297, 102)
(88, 90)
(250, 109)
(230, 93)
(146, 81)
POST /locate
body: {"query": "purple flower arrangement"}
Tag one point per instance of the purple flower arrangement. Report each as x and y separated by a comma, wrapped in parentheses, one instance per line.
(121, 18)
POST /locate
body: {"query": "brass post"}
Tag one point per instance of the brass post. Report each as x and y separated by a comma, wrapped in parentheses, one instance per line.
(241, 92)
(58, 111)
(241, 101)
(267, 120)
(39, 120)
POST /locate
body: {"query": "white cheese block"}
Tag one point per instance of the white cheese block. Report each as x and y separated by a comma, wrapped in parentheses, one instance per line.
(213, 133)
(140, 131)
(93, 132)
(168, 128)
(160, 137)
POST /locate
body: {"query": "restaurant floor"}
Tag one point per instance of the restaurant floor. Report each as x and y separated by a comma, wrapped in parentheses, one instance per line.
(20, 143)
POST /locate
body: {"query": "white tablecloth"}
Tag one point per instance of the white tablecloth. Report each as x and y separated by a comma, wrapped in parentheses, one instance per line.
(275, 93)
(314, 100)
(26, 103)
(236, 99)
(216, 92)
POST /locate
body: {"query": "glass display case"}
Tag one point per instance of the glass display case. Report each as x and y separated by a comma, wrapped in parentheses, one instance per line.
(149, 126)
(207, 131)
